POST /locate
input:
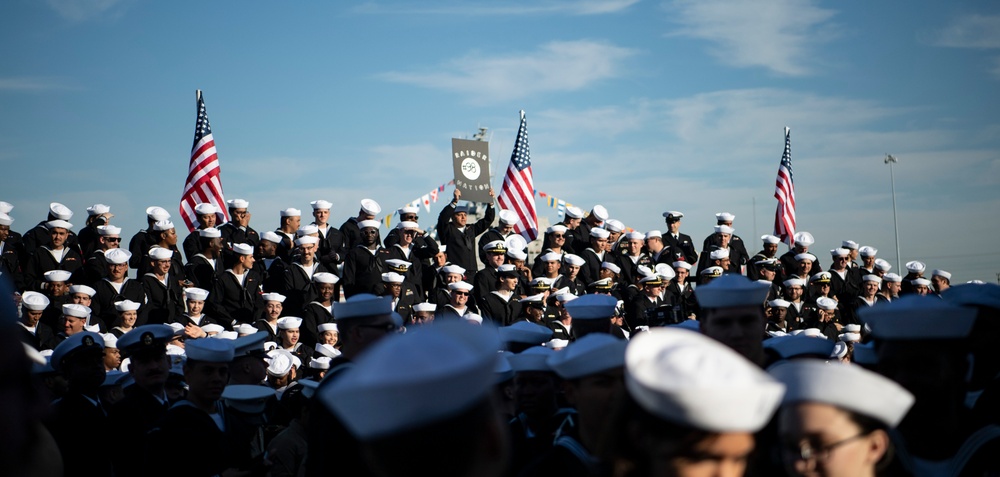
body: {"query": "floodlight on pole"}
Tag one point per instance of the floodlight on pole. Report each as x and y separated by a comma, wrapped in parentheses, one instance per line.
(890, 159)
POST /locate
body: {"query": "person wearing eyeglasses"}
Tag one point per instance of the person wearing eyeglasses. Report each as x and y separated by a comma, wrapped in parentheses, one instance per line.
(835, 418)
(95, 268)
(458, 304)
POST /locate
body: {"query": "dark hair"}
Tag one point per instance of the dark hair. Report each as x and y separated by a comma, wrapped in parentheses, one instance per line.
(868, 425)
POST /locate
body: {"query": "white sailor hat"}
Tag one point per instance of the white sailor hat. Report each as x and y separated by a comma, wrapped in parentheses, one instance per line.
(473, 317)
(794, 282)
(6, 207)
(290, 212)
(106, 230)
(210, 232)
(145, 336)
(496, 246)
(307, 240)
(5, 219)
(731, 290)
(914, 317)
(321, 205)
(920, 282)
(456, 373)
(839, 350)
(157, 213)
(531, 359)
(195, 293)
(273, 297)
(849, 244)
(212, 351)
(852, 328)
(370, 207)
(574, 212)
(915, 266)
(598, 232)
(94, 328)
(60, 211)
(770, 239)
(592, 354)
(722, 393)
(508, 217)
(551, 257)
(848, 387)
(654, 234)
(665, 271)
(270, 236)
(840, 252)
(681, 264)
(247, 398)
(892, 277)
(611, 266)
(778, 303)
(565, 296)
(57, 276)
(673, 215)
(98, 209)
(84, 340)
(872, 278)
(289, 323)
(614, 225)
(867, 251)
(769, 264)
(826, 303)
(719, 254)
(555, 344)
(525, 332)
(327, 350)
(127, 305)
(322, 362)
(34, 301)
(328, 327)
(407, 225)
(882, 265)
(849, 337)
(362, 305)
(453, 269)
(724, 229)
(238, 204)
(804, 238)
(58, 224)
(82, 289)
(244, 329)
(206, 209)
(307, 229)
(712, 272)
(460, 285)
(110, 340)
(372, 224)
(941, 273)
(821, 277)
(325, 277)
(557, 228)
(407, 210)
(242, 249)
(425, 307)
(599, 213)
(799, 345)
(974, 294)
(805, 256)
(592, 307)
(507, 269)
(392, 277)
(725, 217)
(213, 328)
(516, 254)
(160, 253)
(161, 225)
(280, 363)
(635, 235)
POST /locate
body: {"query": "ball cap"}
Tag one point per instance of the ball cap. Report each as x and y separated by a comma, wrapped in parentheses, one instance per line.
(693, 380)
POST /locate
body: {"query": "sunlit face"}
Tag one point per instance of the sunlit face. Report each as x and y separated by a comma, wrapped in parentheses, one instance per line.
(320, 216)
(598, 243)
(840, 263)
(4, 232)
(767, 274)
(207, 220)
(58, 288)
(940, 283)
(440, 259)
(606, 273)
(921, 289)
(495, 259)
(723, 262)
(869, 262)
(634, 247)
(833, 443)
(325, 291)
(292, 223)
(770, 249)
(112, 358)
(161, 267)
(778, 313)
(117, 271)
(73, 324)
(329, 337)
(308, 252)
(240, 217)
(724, 239)
(406, 238)
(31, 317)
(793, 293)
(128, 318)
(558, 239)
(394, 289)
(59, 236)
(246, 261)
(111, 241)
(654, 244)
(169, 236)
(195, 307)
(460, 218)
(268, 249)
(804, 266)
(552, 268)
(871, 288)
(893, 288)
(273, 310)
(369, 236)
(508, 282)
(452, 278)
(81, 299)
(506, 229)
(825, 315)
(572, 271)
(674, 226)
(682, 274)
(653, 290)
(408, 217)
(459, 298)
(289, 337)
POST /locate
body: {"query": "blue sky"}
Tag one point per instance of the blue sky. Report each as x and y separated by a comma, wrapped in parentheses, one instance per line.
(642, 106)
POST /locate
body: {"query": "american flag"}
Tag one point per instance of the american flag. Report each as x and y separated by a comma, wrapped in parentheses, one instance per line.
(203, 182)
(518, 191)
(784, 191)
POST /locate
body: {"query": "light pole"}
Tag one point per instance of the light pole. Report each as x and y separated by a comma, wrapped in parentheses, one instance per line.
(890, 159)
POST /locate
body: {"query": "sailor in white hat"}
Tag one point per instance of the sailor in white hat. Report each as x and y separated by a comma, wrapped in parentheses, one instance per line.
(55, 254)
(143, 239)
(845, 284)
(891, 286)
(801, 244)
(594, 254)
(237, 290)
(238, 229)
(97, 215)
(598, 214)
(41, 234)
(941, 280)
(732, 312)
(117, 286)
(769, 251)
(32, 331)
(298, 283)
(351, 227)
(868, 257)
(207, 216)
(423, 313)
(458, 303)
(320, 309)
(289, 221)
(365, 262)
(914, 270)
(675, 410)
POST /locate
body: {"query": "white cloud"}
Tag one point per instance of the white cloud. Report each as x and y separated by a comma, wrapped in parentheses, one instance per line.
(777, 35)
(970, 31)
(583, 7)
(80, 10)
(558, 66)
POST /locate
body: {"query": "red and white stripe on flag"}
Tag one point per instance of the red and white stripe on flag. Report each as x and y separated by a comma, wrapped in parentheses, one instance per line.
(518, 190)
(204, 184)
(784, 191)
